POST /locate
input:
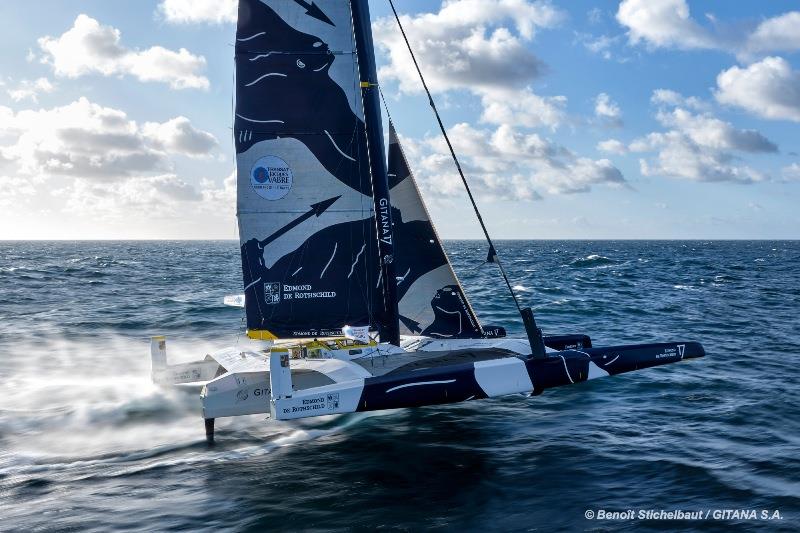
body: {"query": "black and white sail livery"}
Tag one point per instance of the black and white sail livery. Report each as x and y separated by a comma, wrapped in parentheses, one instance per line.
(431, 300)
(335, 237)
(306, 207)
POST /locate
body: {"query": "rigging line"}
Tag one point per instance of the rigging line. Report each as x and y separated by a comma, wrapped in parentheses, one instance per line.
(492, 249)
(385, 105)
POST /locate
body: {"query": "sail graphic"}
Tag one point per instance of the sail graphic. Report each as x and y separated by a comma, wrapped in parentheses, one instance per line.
(431, 299)
(310, 256)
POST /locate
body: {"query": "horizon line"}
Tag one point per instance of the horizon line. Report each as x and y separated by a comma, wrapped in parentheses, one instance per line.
(576, 239)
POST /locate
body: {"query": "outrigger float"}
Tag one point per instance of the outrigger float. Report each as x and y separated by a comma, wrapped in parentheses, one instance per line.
(351, 302)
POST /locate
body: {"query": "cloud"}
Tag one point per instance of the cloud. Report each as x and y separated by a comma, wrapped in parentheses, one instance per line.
(480, 46)
(13, 189)
(163, 196)
(466, 44)
(612, 146)
(606, 108)
(522, 108)
(96, 163)
(768, 88)
(159, 195)
(88, 47)
(594, 15)
(198, 11)
(781, 33)
(600, 45)
(663, 23)
(669, 24)
(506, 163)
(221, 199)
(791, 172)
(89, 141)
(180, 137)
(30, 90)
(680, 157)
(81, 139)
(698, 146)
(672, 98)
(711, 132)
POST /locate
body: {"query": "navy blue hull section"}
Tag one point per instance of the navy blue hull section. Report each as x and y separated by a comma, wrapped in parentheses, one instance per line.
(572, 366)
(457, 382)
(454, 383)
(567, 342)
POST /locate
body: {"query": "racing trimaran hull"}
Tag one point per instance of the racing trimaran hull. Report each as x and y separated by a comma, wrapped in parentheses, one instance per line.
(340, 376)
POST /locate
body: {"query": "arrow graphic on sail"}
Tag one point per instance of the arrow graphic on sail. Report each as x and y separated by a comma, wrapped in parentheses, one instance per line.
(313, 10)
(412, 325)
(316, 209)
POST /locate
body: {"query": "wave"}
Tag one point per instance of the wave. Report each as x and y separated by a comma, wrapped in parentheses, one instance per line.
(593, 260)
(85, 438)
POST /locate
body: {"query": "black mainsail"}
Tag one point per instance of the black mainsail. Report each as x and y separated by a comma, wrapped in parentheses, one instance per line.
(310, 171)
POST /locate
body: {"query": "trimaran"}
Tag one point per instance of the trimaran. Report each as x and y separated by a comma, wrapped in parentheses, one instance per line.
(350, 299)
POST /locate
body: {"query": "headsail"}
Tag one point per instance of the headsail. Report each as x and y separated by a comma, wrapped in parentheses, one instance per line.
(432, 301)
(306, 215)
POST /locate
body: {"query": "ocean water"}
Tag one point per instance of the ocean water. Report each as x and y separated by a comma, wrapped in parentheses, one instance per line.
(88, 443)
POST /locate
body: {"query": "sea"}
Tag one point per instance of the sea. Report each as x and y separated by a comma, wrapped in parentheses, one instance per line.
(88, 443)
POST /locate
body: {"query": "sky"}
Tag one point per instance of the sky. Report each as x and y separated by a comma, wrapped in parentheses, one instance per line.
(633, 119)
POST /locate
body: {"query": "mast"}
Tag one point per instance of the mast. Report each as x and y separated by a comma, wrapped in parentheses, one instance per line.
(389, 327)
